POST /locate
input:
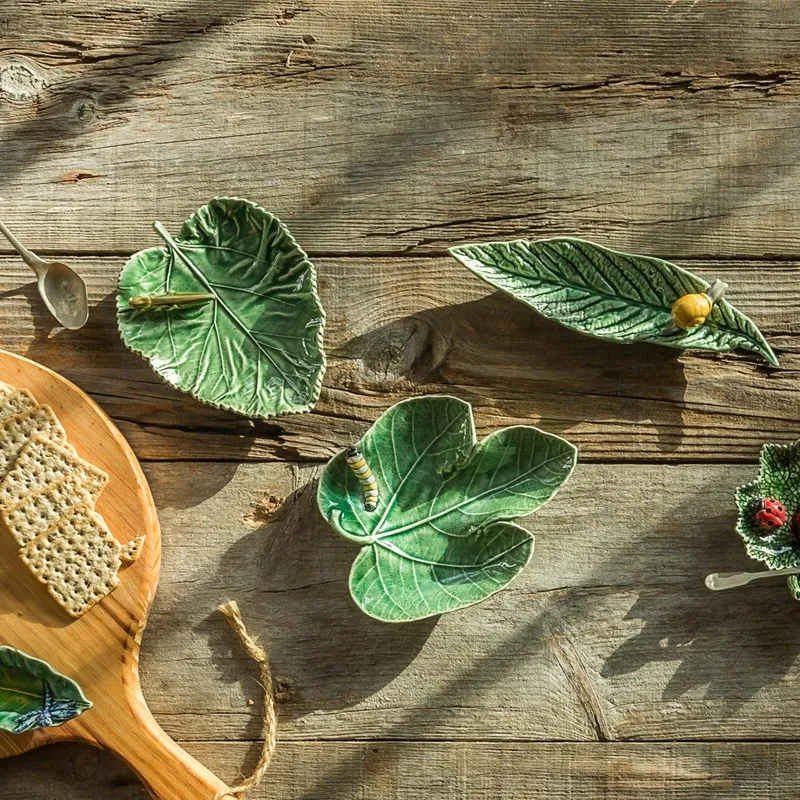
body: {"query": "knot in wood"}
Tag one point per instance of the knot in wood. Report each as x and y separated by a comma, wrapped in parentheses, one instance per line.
(408, 349)
(85, 110)
(21, 81)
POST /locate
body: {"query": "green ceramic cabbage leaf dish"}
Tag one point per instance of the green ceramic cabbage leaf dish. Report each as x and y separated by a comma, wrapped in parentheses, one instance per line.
(441, 536)
(254, 346)
(610, 295)
(778, 479)
(33, 695)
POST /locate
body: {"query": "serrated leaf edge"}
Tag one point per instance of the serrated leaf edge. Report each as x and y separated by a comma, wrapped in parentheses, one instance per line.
(761, 345)
(366, 545)
(317, 389)
(754, 484)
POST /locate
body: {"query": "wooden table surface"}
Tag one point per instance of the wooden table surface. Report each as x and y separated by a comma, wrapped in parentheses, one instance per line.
(383, 132)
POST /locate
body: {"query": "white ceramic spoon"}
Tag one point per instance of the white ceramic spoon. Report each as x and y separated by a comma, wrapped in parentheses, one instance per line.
(718, 581)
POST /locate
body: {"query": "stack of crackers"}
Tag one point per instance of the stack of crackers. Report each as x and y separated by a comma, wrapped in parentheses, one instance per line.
(47, 498)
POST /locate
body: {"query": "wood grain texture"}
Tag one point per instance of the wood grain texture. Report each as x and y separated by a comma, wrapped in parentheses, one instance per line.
(101, 649)
(659, 126)
(429, 326)
(382, 133)
(444, 771)
(609, 633)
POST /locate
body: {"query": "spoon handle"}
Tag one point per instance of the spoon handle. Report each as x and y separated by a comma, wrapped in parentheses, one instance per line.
(31, 259)
(730, 580)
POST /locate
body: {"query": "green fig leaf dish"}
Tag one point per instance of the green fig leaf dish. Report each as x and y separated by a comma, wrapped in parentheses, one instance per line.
(33, 695)
(440, 536)
(609, 295)
(250, 338)
(779, 480)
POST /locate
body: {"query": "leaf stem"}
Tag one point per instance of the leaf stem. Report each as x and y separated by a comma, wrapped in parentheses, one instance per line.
(169, 299)
(335, 520)
(159, 228)
(716, 291)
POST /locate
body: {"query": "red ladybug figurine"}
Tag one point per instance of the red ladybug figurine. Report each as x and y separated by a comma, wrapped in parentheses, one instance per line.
(769, 514)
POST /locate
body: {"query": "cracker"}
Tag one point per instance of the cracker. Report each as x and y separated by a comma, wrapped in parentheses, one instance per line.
(42, 463)
(16, 431)
(77, 560)
(16, 402)
(132, 550)
(5, 388)
(37, 512)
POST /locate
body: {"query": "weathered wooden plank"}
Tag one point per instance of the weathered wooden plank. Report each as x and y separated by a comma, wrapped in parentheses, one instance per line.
(400, 327)
(608, 634)
(739, 37)
(671, 128)
(442, 770)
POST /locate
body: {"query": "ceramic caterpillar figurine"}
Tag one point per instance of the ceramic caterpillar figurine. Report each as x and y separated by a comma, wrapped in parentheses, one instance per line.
(691, 310)
(169, 300)
(369, 484)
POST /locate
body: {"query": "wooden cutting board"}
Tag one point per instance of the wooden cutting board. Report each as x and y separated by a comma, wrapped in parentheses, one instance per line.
(101, 649)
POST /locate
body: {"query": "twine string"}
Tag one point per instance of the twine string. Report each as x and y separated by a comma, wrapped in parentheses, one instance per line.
(231, 611)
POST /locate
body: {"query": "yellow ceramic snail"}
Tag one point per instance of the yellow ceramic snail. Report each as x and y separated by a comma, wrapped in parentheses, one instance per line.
(691, 310)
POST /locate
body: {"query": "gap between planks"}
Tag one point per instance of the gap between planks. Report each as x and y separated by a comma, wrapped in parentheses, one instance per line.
(411, 253)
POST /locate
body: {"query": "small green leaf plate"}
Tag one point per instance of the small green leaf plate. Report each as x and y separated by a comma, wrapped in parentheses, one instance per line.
(600, 292)
(441, 537)
(256, 348)
(33, 695)
(779, 479)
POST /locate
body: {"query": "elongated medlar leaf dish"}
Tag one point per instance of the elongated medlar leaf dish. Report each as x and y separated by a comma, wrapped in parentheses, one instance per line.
(431, 506)
(33, 695)
(615, 296)
(228, 311)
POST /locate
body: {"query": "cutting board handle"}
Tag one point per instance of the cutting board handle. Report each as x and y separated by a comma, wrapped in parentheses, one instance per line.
(167, 771)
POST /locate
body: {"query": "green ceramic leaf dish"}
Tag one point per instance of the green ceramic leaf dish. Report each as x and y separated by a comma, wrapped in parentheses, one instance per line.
(440, 537)
(256, 347)
(778, 479)
(33, 695)
(610, 295)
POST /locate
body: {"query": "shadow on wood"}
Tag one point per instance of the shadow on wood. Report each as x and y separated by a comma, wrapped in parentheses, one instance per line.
(62, 110)
(527, 367)
(72, 770)
(706, 634)
(344, 655)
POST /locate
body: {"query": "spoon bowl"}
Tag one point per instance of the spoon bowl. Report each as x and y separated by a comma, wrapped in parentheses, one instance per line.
(64, 294)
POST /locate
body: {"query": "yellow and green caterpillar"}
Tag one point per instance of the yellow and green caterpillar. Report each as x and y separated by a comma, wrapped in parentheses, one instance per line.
(369, 484)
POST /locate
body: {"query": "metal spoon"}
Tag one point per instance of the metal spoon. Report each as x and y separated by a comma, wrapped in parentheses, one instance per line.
(61, 288)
